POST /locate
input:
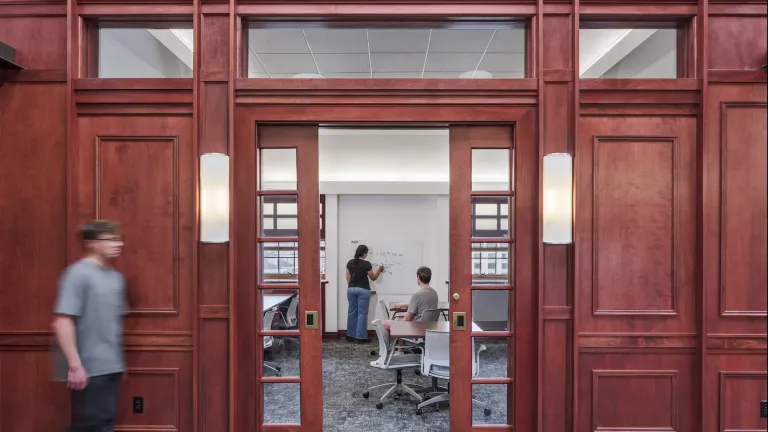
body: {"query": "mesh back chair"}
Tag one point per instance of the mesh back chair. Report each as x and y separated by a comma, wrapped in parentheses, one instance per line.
(290, 320)
(431, 315)
(389, 361)
(436, 364)
(269, 318)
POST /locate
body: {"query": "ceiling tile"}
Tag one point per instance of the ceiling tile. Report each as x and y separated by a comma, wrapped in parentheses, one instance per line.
(504, 62)
(458, 40)
(397, 62)
(277, 41)
(458, 62)
(508, 41)
(288, 63)
(337, 41)
(398, 40)
(350, 63)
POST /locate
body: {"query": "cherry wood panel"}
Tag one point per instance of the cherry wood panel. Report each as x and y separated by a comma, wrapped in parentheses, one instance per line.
(635, 207)
(164, 380)
(734, 208)
(748, 53)
(25, 385)
(32, 171)
(154, 206)
(633, 392)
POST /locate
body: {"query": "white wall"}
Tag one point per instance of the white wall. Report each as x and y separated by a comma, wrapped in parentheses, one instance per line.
(136, 53)
(656, 57)
(409, 217)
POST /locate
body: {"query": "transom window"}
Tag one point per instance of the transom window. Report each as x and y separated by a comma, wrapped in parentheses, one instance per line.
(376, 50)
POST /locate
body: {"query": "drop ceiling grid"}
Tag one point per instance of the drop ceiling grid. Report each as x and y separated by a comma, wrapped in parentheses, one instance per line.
(385, 53)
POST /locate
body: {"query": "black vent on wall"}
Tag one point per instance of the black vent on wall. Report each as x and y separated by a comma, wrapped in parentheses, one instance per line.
(8, 57)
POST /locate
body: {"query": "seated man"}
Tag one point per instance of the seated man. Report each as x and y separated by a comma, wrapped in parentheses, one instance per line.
(423, 299)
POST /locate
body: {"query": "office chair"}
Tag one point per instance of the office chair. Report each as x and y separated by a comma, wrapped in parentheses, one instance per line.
(435, 363)
(431, 315)
(389, 361)
(269, 318)
(290, 320)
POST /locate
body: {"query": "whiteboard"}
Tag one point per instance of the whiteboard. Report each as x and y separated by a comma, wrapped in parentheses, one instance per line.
(400, 259)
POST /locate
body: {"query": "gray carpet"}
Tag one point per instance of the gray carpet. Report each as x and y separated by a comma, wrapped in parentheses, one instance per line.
(347, 373)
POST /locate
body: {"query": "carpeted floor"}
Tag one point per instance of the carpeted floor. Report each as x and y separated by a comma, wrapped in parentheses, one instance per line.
(347, 373)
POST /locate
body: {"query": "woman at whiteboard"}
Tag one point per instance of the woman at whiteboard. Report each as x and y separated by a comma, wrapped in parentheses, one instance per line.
(359, 271)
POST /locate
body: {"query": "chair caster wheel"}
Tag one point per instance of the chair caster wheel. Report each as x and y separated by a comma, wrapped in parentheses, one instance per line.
(418, 411)
(379, 405)
(373, 353)
(366, 395)
(417, 372)
(278, 368)
(487, 411)
(399, 393)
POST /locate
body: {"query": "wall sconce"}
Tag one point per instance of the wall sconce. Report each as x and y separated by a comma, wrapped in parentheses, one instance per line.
(558, 199)
(214, 198)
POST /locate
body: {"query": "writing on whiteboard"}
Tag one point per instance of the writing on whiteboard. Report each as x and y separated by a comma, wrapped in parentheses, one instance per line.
(390, 260)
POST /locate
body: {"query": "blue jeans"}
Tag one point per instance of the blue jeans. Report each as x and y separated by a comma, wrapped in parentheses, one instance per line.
(357, 314)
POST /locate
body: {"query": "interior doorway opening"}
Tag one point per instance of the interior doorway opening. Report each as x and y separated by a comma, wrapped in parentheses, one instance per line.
(386, 187)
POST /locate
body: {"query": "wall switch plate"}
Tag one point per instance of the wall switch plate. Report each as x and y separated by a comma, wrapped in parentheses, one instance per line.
(764, 409)
(138, 404)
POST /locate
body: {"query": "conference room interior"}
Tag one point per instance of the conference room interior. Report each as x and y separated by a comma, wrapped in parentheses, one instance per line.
(388, 188)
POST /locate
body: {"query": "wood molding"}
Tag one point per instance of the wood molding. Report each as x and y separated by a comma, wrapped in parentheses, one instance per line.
(100, 140)
(674, 150)
(133, 341)
(651, 341)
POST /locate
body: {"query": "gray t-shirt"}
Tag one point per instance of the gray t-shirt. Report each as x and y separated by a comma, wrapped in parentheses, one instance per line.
(423, 299)
(95, 296)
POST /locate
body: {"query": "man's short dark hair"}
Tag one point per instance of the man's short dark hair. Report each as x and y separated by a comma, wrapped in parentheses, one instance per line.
(424, 274)
(94, 230)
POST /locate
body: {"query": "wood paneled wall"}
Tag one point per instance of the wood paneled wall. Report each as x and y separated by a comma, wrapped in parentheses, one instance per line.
(663, 292)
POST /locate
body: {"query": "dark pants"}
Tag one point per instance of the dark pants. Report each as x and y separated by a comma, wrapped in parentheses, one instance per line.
(94, 407)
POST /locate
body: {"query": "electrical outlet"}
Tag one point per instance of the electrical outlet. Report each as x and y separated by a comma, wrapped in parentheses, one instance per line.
(138, 404)
(764, 409)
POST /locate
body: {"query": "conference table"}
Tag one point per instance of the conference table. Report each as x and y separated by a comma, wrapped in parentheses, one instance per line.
(417, 329)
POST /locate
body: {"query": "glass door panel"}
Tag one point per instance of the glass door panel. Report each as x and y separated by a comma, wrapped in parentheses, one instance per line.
(482, 244)
(288, 283)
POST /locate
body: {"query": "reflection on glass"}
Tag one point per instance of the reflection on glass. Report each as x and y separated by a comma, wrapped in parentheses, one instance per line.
(278, 169)
(280, 262)
(490, 309)
(491, 263)
(366, 50)
(279, 216)
(133, 52)
(489, 404)
(281, 356)
(282, 403)
(490, 216)
(492, 354)
(490, 169)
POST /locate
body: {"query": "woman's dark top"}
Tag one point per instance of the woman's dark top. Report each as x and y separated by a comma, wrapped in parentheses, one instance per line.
(358, 276)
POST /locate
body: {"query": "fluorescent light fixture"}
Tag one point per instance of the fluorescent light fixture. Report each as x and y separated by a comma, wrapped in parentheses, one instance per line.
(214, 198)
(558, 198)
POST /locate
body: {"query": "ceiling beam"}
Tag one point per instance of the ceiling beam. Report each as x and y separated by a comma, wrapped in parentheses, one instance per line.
(621, 47)
(179, 41)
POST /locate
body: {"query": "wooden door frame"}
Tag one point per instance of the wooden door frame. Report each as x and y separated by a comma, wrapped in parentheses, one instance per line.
(257, 103)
